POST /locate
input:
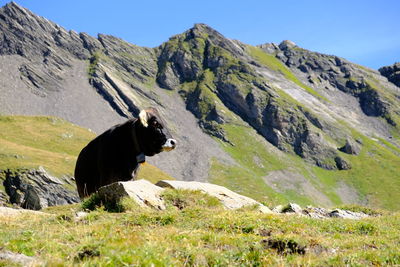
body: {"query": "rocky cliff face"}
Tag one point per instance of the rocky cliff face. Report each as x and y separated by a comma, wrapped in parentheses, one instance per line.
(36, 189)
(43, 70)
(340, 74)
(303, 103)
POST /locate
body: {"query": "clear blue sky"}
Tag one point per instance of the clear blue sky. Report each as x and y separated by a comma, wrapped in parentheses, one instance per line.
(366, 32)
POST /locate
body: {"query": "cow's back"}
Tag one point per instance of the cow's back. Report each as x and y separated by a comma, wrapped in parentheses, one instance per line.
(106, 159)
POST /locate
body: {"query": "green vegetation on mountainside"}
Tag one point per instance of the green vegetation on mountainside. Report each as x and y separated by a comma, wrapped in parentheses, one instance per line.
(275, 64)
(32, 141)
(375, 173)
(199, 233)
(255, 161)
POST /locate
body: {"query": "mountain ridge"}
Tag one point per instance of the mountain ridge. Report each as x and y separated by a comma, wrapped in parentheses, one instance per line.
(307, 107)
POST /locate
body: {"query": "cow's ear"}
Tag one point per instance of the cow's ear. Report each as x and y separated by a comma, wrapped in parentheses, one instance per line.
(143, 118)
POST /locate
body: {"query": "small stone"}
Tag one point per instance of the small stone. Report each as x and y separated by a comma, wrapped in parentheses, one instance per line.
(292, 208)
(80, 215)
(19, 258)
(284, 246)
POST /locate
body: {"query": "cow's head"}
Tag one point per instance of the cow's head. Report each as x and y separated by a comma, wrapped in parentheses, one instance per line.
(155, 137)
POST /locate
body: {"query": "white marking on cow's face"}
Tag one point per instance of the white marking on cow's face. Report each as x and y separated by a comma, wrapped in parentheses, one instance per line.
(169, 145)
(143, 118)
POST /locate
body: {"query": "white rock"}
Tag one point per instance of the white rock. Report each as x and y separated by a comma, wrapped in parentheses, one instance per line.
(278, 209)
(346, 214)
(19, 258)
(142, 192)
(80, 215)
(228, 198)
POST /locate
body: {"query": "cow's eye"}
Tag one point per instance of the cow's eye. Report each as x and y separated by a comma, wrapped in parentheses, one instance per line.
(157, 125)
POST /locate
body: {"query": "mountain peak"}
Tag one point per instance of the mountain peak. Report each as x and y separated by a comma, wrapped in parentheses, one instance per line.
(14, 10)
(286, 44)
(12, 4)
(14, 14)
(202, 27)
(199, 29)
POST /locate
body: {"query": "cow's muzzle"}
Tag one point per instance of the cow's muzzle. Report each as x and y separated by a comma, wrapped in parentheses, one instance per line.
(169, 145)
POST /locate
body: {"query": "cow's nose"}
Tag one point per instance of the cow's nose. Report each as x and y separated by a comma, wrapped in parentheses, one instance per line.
(169, 144)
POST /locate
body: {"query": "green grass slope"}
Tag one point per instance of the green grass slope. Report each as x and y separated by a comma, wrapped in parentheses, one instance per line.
(29, 142)
(375, 173)
(201, 233)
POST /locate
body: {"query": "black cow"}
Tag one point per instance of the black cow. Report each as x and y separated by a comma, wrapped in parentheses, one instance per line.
(115, 154)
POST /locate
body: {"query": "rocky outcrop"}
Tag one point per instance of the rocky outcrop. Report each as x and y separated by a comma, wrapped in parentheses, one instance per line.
(392, 73)
(44, 70)
(338, 73)
(147, 194)
(319, 213)
(36, 189)
(33, 37)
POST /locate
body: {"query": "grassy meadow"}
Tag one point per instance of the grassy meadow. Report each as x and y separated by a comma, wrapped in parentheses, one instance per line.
(199, 233)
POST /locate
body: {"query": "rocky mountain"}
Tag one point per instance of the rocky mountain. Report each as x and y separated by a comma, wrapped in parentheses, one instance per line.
(272, 121)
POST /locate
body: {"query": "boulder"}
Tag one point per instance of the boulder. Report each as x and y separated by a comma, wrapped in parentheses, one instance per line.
(346, 214)
(392, 73)
(351, 147)
(228, 198)
(292, 208)
(141, 191)
(342, 164)
(286, 44)
(36, 189)
(316, 213)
